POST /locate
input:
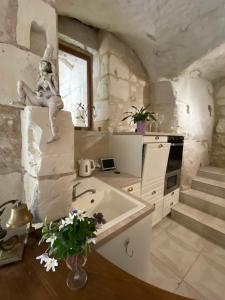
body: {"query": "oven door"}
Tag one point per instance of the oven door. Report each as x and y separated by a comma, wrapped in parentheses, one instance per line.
(172, 181)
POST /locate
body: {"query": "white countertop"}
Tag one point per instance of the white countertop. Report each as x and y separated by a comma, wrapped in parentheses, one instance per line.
(148, 133)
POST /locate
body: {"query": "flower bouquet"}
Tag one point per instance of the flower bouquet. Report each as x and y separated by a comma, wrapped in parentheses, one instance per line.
(70, 239)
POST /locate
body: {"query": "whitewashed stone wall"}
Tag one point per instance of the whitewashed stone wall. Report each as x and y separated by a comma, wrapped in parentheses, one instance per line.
(194, 112)
(48, 168)
(122, 82)
(218, 146)
(119, 79)
(18, 61)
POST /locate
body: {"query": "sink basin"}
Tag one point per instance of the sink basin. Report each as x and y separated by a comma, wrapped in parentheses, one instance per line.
(115, 204)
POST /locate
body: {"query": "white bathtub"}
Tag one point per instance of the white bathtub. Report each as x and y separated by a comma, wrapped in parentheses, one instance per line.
(115, 204)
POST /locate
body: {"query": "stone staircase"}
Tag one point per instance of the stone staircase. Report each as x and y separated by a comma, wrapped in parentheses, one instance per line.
(202, 208)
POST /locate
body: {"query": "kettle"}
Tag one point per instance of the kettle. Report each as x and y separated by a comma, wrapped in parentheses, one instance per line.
(86, 167)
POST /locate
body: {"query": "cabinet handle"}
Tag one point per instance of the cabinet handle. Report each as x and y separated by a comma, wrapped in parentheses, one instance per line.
(156, 137)
(172, 193)
(160, 145)
(130, 189)
(130, 253)
(154, 192)
(154, 204)
(171, 204)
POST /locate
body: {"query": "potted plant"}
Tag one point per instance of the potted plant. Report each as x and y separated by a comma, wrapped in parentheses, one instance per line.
(70, 239)
(139, 116)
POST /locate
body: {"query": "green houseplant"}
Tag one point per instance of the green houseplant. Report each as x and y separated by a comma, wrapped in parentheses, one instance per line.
(139, 116)
(70, 239)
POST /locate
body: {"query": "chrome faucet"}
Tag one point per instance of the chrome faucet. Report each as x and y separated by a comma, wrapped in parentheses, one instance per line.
(75, 196)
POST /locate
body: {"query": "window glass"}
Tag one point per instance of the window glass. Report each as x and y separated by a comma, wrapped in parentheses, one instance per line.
(73, 85)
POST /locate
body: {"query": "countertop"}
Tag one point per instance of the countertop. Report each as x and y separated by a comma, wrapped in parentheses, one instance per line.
(148, 133)
(117, 180)
(29, 280)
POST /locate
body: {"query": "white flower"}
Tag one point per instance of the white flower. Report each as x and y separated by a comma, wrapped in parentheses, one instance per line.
(91, 241)
(43, 258)
(51, 263)
(67, 221)
(81, 215)
(51, 239)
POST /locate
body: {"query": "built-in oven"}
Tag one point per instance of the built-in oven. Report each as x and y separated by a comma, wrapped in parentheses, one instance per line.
(173, 170)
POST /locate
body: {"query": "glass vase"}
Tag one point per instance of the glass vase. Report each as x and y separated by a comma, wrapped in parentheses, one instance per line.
(77, 277)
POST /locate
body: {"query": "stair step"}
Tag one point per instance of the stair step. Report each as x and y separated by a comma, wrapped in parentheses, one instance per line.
(210, 186)
(207, 203)
(204, 224)
(213, 173)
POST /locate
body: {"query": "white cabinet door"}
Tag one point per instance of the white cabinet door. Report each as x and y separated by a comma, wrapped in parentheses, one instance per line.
(130, 250)
(169, 201)
(155, 161)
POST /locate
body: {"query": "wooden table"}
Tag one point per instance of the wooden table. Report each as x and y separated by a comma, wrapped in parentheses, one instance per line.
(28, 280)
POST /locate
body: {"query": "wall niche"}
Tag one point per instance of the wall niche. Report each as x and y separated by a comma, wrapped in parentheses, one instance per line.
(38, 39)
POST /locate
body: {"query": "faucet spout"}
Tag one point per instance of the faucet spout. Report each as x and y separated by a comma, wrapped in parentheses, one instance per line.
(93, 191)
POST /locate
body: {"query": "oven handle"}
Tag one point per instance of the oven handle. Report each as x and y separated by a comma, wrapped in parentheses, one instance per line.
(177, 144)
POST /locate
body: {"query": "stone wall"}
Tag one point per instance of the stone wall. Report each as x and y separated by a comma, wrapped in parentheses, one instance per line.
(194, 119)
(10, 154)
(218, 145)
(19, 57)
(119, 79)
(122, 82)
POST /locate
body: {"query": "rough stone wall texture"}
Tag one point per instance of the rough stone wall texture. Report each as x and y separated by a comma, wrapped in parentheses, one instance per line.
(218, 144)
(48, 168)
(18, 62)
(119, 79)
(10, 154)
(122, 82)
(10, 139)
(164, 102)
(194, 111)
(160, 31)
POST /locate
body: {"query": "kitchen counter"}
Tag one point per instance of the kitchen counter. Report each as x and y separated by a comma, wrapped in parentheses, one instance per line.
(148, 133)
(117, 180)
(29, 280)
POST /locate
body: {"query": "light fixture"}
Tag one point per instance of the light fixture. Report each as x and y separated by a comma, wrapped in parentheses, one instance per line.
(11, 250)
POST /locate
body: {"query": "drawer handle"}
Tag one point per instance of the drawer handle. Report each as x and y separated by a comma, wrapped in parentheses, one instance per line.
(130, 189)
(171, 204)
(154, 192)
(156, 137)
(160, 145)
(130, 253)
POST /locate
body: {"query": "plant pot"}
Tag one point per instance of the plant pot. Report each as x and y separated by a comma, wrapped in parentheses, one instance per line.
(77, 278)
(141, 126)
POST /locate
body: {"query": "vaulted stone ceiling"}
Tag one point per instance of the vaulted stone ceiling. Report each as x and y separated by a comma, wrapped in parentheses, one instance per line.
(167, 35)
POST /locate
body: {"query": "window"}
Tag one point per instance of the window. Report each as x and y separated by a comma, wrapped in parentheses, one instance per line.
(75, 85)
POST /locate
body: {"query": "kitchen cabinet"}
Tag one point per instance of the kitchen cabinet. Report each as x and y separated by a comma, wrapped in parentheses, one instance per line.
(130, 250)
(134, 189)
(169, 201)
(146, 156)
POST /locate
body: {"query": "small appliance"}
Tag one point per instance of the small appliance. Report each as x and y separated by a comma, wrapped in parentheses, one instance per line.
(86, 167)
(173, 170)
(108, 164)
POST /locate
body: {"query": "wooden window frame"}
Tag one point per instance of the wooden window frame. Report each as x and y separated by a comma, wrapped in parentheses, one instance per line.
(89, 59)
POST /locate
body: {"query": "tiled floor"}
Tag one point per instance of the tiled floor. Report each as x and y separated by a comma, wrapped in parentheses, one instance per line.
(185, 263)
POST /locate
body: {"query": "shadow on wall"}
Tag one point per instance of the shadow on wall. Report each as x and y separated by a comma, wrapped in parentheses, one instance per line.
(91, 144)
